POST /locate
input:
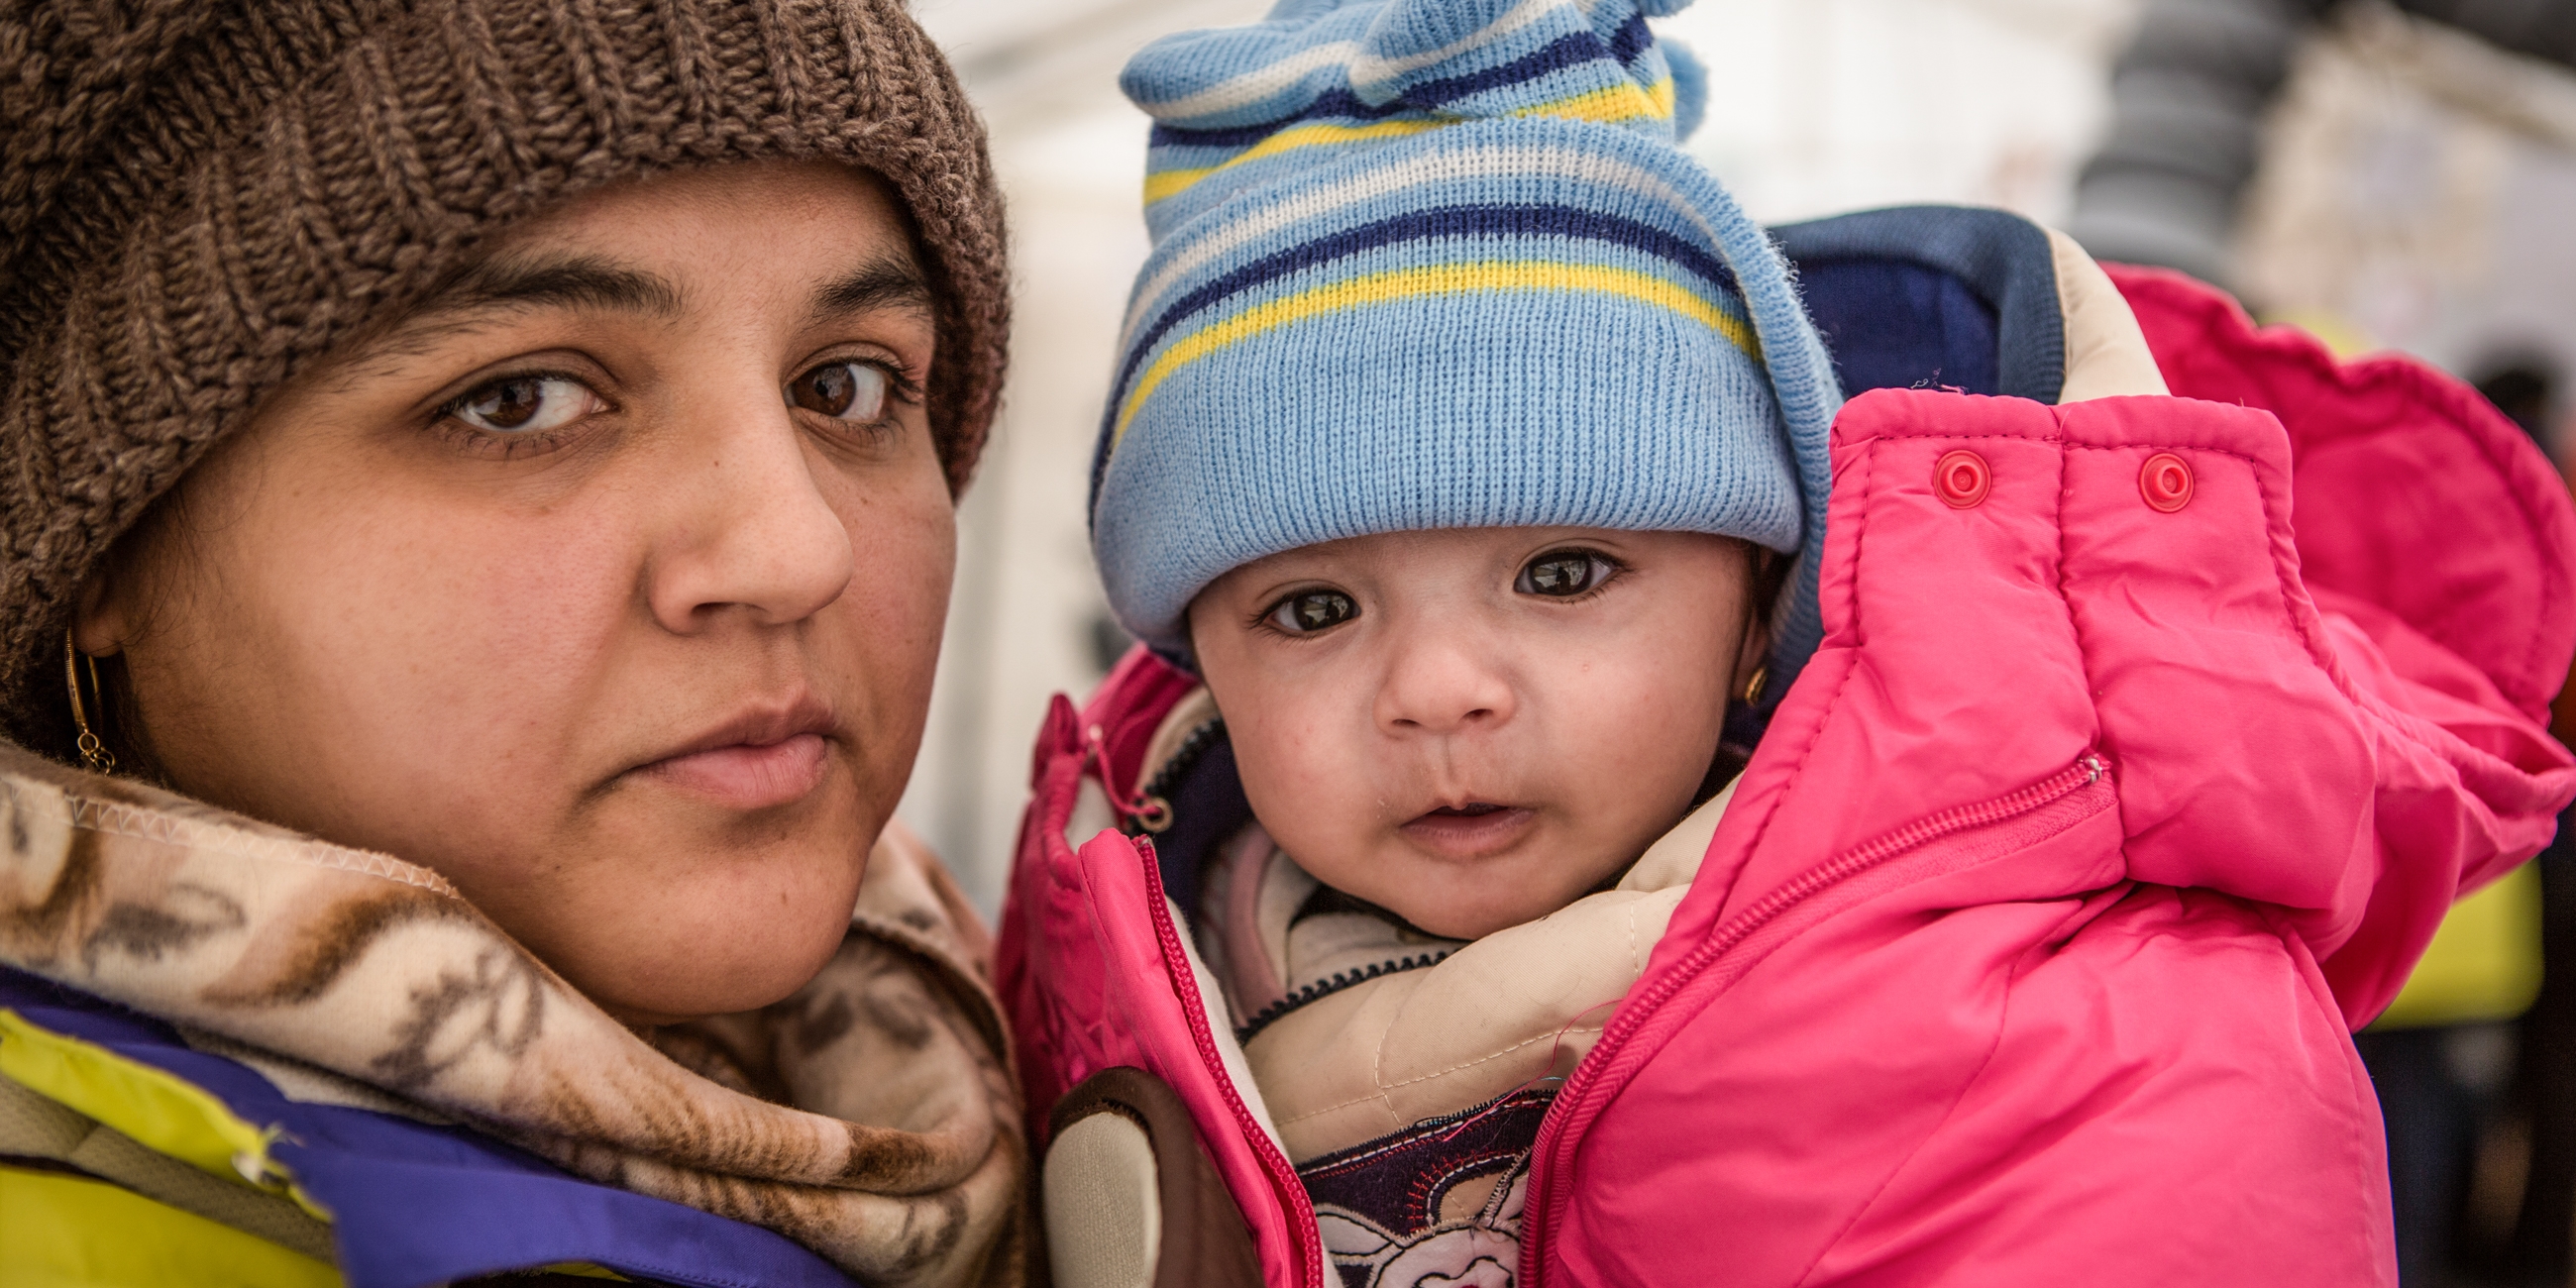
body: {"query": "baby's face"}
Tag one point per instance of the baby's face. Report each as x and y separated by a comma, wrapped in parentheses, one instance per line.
(1474, 727)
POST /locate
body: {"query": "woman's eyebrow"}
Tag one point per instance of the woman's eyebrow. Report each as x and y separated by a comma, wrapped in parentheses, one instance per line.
(576, 281)
(560, 281)
(888, 281)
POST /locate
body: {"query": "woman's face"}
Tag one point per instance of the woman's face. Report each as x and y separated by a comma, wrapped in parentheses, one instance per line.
(609, 584)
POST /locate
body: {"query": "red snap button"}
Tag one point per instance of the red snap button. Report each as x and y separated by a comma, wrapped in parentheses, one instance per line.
(2166, 482)
(1961, 477)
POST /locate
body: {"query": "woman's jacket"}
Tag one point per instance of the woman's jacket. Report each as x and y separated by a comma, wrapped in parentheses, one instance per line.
(2150, 740)
(234, 1055)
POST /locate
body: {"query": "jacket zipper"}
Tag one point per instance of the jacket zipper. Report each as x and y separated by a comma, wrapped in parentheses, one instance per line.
(1283, 1176)
(2087, 770)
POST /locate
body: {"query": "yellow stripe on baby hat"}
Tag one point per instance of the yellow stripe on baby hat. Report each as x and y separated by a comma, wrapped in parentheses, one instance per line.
(1434, 280)
(1612, 104)
(1170, 182)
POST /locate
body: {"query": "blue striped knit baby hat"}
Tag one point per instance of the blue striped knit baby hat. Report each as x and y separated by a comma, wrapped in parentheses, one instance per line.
(1440, 264)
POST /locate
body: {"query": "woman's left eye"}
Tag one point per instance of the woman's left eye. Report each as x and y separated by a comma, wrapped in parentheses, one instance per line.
(1563, 574)
(522, 405)
(853, 391)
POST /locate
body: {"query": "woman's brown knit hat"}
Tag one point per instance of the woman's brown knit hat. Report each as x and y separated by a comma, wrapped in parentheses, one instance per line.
(200, 197)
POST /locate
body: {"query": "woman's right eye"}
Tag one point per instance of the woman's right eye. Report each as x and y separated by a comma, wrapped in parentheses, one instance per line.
(1309, 611)
(522, 405)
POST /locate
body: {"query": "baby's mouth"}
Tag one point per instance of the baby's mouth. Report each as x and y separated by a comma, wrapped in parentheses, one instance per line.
(1472, 830)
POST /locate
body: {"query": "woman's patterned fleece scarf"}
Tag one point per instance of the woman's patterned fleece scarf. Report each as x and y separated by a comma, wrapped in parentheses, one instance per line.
(901, 1159)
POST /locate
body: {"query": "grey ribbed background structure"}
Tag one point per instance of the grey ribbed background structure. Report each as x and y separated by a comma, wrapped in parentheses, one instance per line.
(2188, 99)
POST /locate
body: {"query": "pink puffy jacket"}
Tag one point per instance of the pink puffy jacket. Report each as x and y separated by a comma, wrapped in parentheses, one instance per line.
(2029, 949)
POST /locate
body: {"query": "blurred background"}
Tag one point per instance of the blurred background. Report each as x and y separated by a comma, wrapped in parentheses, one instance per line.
(2389, 174)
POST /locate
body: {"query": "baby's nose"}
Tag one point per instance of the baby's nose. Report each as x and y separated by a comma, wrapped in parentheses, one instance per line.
(1442, 688)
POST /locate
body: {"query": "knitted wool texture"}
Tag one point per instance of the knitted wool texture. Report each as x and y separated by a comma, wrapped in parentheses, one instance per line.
(1439, 264)
(200, 197)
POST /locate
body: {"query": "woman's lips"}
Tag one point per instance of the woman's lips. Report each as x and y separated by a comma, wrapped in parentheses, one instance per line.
(748, 776)
(1472, 831)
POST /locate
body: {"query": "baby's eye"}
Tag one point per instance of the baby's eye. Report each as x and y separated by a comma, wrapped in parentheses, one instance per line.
(1563, 574)
(1309, 611)
(525, 404)
(853, 391)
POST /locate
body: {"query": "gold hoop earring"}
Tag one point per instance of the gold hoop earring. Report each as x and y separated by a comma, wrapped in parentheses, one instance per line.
(1753, 687)
(93, 753)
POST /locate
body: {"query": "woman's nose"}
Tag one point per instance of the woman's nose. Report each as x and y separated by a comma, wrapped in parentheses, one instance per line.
(751, 533)
(1440, 682)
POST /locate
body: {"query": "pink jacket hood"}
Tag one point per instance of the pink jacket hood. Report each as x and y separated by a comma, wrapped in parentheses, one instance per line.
(2116, 796)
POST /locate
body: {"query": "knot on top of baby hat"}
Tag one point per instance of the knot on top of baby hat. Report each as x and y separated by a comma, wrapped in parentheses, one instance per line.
(1322, 73)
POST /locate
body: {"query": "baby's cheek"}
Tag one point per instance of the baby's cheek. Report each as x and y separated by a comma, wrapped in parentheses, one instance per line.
(1634, 756)
(1298, 779)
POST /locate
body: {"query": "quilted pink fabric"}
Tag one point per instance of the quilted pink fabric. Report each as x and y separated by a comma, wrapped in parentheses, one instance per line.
(2030, 948)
